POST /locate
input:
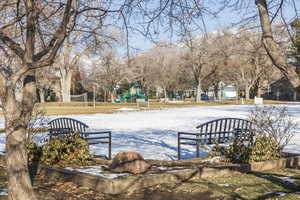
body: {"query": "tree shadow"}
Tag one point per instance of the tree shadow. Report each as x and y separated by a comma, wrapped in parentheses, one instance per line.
(289, 186)
(154, 142)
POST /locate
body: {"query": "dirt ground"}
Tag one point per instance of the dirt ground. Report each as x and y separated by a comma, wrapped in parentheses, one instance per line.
(279, 184)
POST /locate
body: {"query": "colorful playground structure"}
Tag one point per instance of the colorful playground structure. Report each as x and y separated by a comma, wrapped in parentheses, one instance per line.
(132, 94)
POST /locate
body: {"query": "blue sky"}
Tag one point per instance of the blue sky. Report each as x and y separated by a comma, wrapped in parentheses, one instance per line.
(225, 19)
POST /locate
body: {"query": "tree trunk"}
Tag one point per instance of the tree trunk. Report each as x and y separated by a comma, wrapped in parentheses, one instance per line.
(247, 92)
(216, 90)
(112, 100)
(42, 95)
(272, 48)
(17, 116)
(259, 88)
(258, 92)
(165, 94)
(66, 86)
(198, 97)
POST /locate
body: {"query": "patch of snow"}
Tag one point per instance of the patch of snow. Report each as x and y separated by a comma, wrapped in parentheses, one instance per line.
(224, 185)
(287, 179)
(214, 159)
(98, 171)
(169, 168)
(154, 133)
(265, 176)
(3, 192)
(127, 109)
(280, 194)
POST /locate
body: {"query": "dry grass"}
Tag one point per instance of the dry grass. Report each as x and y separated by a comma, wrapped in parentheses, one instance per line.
(58, 108)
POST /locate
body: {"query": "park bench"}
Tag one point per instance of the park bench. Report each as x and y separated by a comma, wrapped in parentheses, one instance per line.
(65, 126)
(219, 131)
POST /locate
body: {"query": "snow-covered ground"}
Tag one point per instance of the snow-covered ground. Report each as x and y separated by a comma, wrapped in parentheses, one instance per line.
(154, 133)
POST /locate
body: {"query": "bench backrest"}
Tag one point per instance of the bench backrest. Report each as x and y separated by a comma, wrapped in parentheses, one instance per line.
(220, 130)
(64, 123)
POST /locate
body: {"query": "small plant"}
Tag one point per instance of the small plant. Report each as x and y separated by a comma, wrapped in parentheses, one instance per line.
(34, 151)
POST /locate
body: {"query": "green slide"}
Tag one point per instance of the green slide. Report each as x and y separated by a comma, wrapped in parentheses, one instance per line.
(137, 94)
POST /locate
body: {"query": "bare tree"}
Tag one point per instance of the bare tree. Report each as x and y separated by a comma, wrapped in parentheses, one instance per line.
(197, 59)
(108, 72)
(45, 81)
(165, 66)
(34, 30)
(277, 56)
(66, 63)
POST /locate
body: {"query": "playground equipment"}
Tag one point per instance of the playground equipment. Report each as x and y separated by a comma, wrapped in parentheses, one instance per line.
(132, 94)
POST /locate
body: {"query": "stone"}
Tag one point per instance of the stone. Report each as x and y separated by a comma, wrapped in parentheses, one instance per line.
(131, 162)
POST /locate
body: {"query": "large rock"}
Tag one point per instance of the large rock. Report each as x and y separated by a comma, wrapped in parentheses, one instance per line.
(131, 162)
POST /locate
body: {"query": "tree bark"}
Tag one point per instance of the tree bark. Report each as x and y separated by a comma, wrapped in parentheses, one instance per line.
(165, 94)
(247, 92)
(42, 95)
(272, 48)
(66, 86)
(17, 116)
(112, 98)
(259, 88)
(216, 90)
(199, 90)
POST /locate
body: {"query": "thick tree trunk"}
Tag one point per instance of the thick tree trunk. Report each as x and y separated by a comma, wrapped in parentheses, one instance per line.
(247, 92)
(66, 86)
(165, 95)
(199, 90)
(272, 48)
(259, 88)
(112, 100)
(216, 90)
(17, 116)
(42, 95)
(259, 92)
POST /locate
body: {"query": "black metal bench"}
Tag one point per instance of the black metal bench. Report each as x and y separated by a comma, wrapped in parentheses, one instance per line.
(223, 130)
(66, 126)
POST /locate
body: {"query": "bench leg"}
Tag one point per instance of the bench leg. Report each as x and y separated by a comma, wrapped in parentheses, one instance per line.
(197, 149)
(178, 149)
(109, 147)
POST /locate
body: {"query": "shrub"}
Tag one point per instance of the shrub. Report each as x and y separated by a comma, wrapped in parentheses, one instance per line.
(273, 129)
(34, 152)
(234, 153)
(264, 148)
(71, 149)
(273, 122)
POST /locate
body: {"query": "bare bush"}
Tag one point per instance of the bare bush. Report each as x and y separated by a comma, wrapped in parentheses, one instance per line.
(274, 122)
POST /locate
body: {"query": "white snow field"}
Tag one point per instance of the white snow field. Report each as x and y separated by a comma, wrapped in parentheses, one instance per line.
(154, 133)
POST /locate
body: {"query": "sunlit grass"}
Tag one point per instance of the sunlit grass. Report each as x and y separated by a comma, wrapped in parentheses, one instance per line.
(59, 108)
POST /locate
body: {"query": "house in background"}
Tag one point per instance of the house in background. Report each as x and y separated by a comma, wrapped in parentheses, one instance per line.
(281, 90)
(222, 92)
